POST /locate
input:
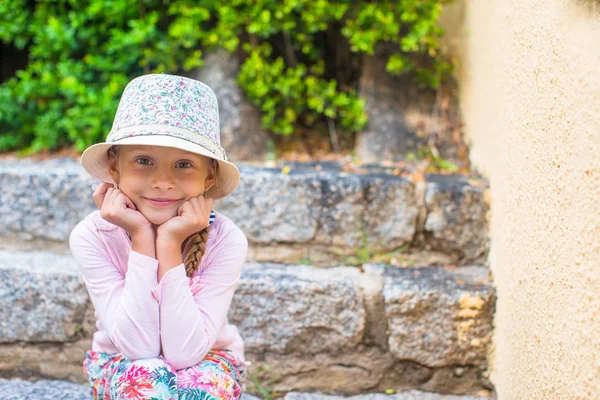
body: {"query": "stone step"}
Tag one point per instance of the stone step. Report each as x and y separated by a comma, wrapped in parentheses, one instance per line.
(342, 329)
(315, 215)
(48, 389)
(45, 389)
(402, 395)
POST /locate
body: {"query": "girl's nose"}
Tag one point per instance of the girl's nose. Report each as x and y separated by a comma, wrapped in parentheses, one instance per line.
(163, 180)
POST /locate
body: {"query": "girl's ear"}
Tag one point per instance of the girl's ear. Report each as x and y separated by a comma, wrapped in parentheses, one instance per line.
(211, 176)
(113, 169)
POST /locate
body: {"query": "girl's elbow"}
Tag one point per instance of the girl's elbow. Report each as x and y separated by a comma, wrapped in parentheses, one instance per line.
(137, 349)
(181, 358)
(178, 363)
(140, 354)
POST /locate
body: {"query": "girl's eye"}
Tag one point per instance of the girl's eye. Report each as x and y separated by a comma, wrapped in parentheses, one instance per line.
(184, 162)
(142, 158)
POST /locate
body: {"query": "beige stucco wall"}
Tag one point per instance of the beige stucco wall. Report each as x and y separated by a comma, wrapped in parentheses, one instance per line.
(530, 97)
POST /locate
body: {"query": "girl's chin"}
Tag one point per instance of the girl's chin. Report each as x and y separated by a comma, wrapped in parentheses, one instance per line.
(159, 217)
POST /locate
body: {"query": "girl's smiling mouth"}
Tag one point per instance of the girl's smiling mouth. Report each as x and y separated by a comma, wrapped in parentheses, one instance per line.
(161, 202)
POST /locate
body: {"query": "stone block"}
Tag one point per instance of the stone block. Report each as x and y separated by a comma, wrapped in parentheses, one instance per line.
(276, 308)
(403, 395)
(456, 217)
(49, 389)
(45, 389)
(324, 208)
(42, 297)
(436, 316)
(43, 199)
(301, 309)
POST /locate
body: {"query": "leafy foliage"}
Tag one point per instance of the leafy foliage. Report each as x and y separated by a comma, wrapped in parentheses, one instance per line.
(83, 53)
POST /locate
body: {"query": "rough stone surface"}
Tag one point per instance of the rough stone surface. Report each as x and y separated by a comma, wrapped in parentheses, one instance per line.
(403, 118)
(456, 217)
(241, 133)
(272, 207)
(403, 395)
(43, 199)
(320, 215)
(326, 208)
(388, 134)
(50, 360)
(355, 370)
(42, 297)
(46, 389)
(438, 317)
(376, 328)
(307, 309)
(318, 328)
(350, 371)
(276, 308)
(321, 329)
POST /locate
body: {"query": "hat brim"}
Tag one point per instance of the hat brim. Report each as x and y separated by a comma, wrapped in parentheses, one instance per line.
(95, 161)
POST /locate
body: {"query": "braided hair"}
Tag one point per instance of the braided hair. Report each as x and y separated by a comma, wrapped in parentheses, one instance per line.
(197, 240)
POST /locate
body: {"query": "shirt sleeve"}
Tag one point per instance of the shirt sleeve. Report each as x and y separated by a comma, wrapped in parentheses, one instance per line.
(191, 322)
(124, 304)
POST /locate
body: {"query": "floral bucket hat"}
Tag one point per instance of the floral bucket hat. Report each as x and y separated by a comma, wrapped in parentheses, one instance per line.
(171, 111)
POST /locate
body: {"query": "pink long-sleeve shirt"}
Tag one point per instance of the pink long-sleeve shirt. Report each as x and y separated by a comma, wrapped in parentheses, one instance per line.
(136, 315)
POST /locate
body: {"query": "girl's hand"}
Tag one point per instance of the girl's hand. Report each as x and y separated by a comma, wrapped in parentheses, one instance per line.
(192, 216)
(118, 209)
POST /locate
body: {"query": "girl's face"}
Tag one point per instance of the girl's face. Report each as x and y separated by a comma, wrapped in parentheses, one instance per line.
(153, 172)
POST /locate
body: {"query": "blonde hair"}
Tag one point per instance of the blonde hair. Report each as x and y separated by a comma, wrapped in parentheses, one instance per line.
(196, 241)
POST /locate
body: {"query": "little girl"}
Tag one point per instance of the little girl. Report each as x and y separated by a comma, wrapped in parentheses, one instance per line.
(159, 264)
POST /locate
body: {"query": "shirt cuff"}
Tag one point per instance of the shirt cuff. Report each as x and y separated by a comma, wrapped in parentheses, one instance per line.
(174, 273)
(142, 260)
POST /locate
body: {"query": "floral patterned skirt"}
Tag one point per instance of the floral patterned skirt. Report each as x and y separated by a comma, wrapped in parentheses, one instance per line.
(220, 375)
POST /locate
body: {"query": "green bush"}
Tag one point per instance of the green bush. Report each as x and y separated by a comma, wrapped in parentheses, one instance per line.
(83, 53)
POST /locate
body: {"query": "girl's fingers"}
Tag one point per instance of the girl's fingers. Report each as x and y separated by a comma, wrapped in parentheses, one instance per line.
(131, 204)
(202, 206)
(108, 197)
(115, 196)
(98, 198)
(112, 198)
(111, 194)
(120, 198)
(196, 205)
(185, 207)
(206, 203)
(100, 193)
(128, 202)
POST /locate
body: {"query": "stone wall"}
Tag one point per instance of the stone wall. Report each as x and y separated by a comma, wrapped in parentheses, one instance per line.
(332, 327)
(319, 216)
(370, 329)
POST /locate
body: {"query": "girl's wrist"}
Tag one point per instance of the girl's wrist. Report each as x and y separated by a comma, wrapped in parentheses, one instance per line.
(168, 254)
(143, 243)
(167, 243)
(143, 233)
